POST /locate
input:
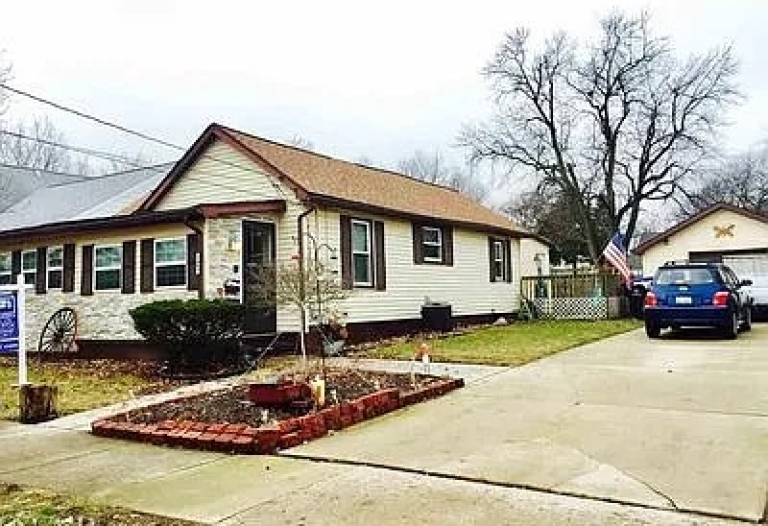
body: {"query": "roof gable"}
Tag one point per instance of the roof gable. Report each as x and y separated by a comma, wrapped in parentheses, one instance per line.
(687, 223)
(317, 178)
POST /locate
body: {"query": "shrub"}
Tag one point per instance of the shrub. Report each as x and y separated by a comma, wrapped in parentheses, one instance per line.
(194, 334)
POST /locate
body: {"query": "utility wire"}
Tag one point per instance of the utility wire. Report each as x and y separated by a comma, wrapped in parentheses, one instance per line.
(38, 169)
(141, 135)
(106, 156)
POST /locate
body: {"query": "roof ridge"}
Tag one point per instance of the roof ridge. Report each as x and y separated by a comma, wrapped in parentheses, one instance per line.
(331, 158)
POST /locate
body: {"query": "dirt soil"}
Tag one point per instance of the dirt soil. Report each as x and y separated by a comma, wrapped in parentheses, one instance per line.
(232, 406)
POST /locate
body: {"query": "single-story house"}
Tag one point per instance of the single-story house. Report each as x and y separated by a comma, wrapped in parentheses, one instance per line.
(235, 201)
(720, 233)
(16, 183)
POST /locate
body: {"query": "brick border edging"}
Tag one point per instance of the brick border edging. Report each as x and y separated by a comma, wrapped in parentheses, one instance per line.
(245, 439)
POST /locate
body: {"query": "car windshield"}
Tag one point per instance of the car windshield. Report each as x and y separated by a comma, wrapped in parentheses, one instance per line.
(684, 276)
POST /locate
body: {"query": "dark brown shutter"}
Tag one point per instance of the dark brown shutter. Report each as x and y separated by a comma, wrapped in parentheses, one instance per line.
(15, 264)
(346, 251)
(129, 267)
(147, 265)
(68, 278)
(193, 260)
(508, 261)
(381, 263)
(448, 246)
(418, 244)
(490, 258)
(86, 277)
(42, 266)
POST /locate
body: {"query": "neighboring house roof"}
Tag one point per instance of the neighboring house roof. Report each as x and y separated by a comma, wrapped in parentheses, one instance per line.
(17, 183)
(657, 238)
(320, 179)
(96, 197)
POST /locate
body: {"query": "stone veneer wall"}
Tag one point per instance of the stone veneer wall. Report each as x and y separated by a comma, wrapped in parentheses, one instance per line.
(104, 315)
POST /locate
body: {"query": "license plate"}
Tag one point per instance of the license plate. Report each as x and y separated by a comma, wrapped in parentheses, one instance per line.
(683, 300)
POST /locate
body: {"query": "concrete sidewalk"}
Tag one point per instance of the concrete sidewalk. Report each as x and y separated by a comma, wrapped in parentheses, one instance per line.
(665, 425)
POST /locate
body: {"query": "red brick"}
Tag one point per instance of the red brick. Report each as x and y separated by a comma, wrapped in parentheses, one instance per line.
(176, 437)
(346, 420)
(199, 426)
(289, 425)
(290, 440)
(157, 437)
(249, 431)
(244, 444)
(346, 409)
(189, 438)
(166, 424)
(268, 439)
(206, 440)
(185, 425)
(331, 417)
(217, 428)
(235, 429)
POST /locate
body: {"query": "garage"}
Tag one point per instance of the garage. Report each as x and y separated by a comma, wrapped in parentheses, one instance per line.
(721, 233)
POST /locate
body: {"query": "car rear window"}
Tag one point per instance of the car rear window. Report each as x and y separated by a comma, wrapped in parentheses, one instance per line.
(688, 276)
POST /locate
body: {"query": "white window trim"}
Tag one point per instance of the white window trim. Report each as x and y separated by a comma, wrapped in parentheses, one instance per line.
(438, 244)
(498, 258)
(157, 264)
(368, 252)
(51, 268)
(9, 272)
(119, 268)
(33, 271)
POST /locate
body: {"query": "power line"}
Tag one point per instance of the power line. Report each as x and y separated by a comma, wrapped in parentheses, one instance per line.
(37, 169)
(106, 156)
(141, 135)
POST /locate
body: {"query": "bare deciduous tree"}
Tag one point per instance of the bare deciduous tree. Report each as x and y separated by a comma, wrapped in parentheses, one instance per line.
(432, 168)
(740, 180)
(611, 126)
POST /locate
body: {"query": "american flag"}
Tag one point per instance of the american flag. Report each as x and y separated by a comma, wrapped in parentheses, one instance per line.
(616, 254)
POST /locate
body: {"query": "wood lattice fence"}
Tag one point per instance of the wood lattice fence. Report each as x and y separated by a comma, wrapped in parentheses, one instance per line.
(576, 297)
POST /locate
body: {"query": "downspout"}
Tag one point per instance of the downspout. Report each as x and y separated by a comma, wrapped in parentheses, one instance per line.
(302, 291)
(200, 279)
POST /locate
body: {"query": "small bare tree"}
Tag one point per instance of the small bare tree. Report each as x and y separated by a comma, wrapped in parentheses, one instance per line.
(306, 286)
(611, 125)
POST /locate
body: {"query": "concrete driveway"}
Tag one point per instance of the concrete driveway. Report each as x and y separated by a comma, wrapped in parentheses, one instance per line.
(666, 426)
(677, 423)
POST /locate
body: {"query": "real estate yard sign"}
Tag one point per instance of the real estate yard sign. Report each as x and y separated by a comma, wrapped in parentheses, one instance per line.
(12, 318)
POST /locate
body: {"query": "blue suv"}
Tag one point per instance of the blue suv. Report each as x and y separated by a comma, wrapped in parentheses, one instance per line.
(697, 295)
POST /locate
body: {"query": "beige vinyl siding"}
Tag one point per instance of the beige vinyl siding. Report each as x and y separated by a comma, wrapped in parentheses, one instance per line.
(700, 237)
(221, 175)
(528, 250)
(466, 285)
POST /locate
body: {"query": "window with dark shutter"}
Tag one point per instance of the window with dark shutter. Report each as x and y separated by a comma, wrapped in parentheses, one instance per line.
(40, 271)
(129, 267)
(86, 276)
(508, 261)
(432, 244)
(499, 259)
(380, 276)
(15, 265)
(345, 227)
(55, 261)
(147, 265)
(6, 271)
(68, 284)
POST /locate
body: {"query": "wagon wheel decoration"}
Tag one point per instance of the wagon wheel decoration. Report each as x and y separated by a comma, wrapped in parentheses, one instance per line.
(59, 332)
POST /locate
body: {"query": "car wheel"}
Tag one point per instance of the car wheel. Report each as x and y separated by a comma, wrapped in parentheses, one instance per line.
(731, 330)
(653, 330)
(746, 324)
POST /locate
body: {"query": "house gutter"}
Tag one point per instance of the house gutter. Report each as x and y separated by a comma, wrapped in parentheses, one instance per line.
(201, 277)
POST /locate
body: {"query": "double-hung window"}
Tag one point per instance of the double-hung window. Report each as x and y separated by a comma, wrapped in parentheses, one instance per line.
(432, 244)
(29, 266)
(55, 267)
(498, 261)
(107, 267)
(170, 262)
(6, 275)
(362, 269)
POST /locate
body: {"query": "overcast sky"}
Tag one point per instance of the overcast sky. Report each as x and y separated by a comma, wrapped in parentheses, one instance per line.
(378, 80)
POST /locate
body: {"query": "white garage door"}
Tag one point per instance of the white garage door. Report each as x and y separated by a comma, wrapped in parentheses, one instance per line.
(754, 267)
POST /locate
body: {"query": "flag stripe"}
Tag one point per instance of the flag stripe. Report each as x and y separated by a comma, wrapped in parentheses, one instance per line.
(616, 255)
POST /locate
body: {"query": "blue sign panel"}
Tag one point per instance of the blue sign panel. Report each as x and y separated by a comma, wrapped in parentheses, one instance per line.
(9, 322)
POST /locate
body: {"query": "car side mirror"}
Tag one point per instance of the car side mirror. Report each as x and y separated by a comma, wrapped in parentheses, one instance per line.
(745, 283)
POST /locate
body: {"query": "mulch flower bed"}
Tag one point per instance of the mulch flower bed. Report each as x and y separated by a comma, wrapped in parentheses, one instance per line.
(226, 420)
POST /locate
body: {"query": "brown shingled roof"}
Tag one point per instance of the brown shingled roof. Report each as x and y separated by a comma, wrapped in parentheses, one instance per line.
(326, 180)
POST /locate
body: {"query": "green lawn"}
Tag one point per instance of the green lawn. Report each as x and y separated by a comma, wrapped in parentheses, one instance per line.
(83, 384)
(514, 344)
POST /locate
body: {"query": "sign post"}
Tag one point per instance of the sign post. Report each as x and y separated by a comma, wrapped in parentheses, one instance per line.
(12, 323)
